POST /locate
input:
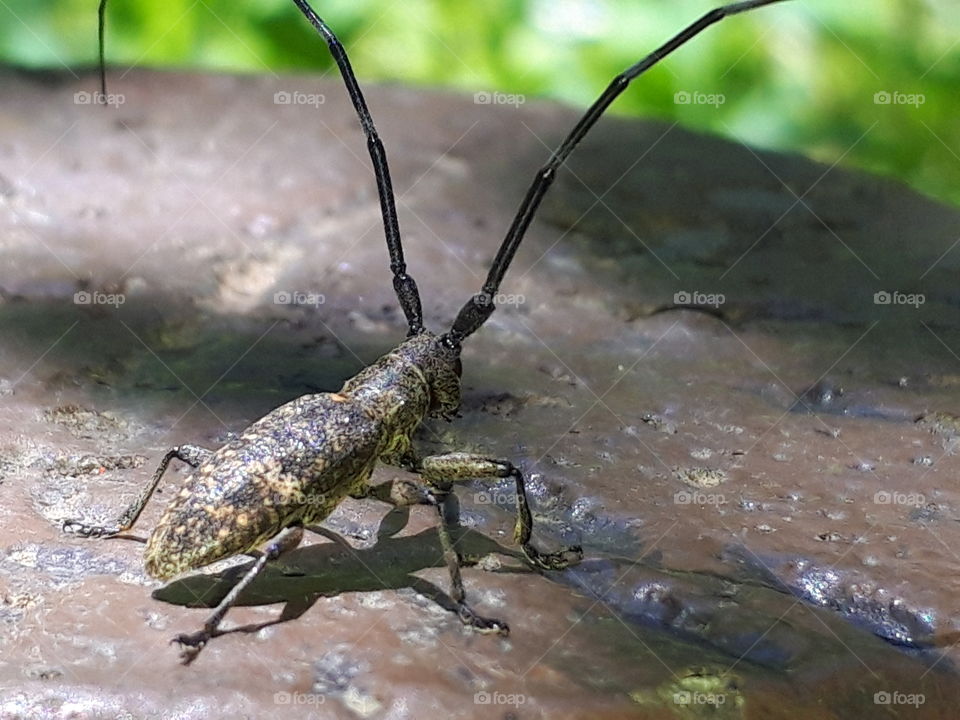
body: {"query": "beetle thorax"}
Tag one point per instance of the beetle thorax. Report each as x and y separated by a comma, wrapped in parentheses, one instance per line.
(419, 377)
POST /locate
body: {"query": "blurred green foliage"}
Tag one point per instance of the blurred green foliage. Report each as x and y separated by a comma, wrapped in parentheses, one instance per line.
(801, 76)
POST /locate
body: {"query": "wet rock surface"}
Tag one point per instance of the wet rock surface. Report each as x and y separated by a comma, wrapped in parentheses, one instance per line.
(730, 375)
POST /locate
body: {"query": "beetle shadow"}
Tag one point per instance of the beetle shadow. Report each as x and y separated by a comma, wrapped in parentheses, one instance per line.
(302, 576)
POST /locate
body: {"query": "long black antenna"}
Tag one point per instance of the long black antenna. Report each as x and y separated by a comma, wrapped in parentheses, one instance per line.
(101, 38)
(480, 306)
(403, 284)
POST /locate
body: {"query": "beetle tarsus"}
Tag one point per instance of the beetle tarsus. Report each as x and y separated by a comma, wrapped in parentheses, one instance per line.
(480, 624)
(191, 645)
(559, 560)
(81, 529)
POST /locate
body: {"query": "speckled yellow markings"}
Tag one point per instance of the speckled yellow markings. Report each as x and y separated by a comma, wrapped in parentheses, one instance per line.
(296, 464)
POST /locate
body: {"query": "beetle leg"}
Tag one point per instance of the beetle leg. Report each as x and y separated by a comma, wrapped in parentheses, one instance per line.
(286, 540)
(402, 492)
(441, 470)
(192, 455)
(468, 616)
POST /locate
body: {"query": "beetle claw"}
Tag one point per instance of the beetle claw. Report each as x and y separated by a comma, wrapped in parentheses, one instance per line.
(481, 624)
(553, 561)
(191, 645)
(76, 527)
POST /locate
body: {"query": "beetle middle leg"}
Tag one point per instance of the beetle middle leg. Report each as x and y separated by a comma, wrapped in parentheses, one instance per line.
(403, 492)
(441, 470)
(286, 540)
(192, 455)
(468, 616)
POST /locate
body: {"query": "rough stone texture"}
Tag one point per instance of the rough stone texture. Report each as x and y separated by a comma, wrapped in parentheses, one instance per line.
(766, 522)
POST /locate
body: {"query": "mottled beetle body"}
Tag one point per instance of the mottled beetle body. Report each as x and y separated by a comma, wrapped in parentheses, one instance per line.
(292, 467)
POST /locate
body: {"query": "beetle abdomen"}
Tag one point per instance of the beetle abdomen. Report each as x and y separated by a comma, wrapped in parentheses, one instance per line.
(294, 465)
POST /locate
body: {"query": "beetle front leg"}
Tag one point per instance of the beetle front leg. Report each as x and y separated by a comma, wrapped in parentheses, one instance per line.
(192, 455)
(441, 470)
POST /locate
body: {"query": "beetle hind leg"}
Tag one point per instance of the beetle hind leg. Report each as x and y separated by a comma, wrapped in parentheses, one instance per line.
(286, 540)
(192, 455)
